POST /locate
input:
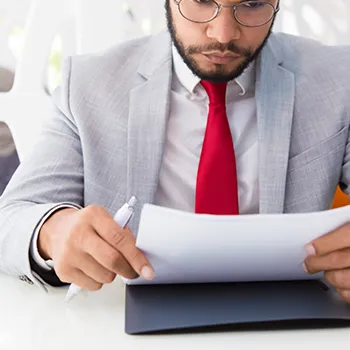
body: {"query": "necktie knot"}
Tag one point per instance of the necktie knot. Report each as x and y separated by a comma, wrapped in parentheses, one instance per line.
(216, 92)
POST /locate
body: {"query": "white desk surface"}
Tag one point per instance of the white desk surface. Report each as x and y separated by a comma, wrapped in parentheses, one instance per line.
(33, 320)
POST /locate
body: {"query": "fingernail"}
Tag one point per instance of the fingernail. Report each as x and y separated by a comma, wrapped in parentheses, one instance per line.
(310, 250)
(147, 273)
(305, 268)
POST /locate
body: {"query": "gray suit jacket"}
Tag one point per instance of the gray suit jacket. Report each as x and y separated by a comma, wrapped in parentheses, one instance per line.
(104, 140)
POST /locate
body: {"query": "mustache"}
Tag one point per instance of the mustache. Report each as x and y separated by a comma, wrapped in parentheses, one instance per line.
(231, 47)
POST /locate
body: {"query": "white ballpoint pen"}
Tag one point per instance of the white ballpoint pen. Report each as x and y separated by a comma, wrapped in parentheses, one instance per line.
(122, 217)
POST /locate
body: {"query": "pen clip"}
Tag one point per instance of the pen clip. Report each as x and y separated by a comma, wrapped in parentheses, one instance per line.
(132, 202)
(131, 207)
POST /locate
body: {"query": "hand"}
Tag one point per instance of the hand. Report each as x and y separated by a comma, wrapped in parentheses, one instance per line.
(331, 254)
(89, 248)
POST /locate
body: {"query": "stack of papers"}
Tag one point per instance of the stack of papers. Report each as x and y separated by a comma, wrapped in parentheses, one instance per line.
(190, 248)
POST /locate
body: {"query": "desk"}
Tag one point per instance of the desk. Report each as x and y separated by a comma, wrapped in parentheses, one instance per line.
(33, 320)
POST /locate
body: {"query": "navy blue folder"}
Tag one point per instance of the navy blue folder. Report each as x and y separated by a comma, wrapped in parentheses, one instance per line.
(233, 306)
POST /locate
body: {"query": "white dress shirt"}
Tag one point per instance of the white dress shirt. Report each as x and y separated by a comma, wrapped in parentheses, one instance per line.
(184, 140)
(185, 135)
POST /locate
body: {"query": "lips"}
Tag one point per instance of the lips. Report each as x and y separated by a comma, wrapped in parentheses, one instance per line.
(220, 58)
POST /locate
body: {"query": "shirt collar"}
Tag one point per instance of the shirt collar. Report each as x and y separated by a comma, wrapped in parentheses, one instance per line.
(190, 81)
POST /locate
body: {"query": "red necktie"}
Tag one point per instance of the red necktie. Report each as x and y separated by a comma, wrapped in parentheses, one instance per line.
(217, 190)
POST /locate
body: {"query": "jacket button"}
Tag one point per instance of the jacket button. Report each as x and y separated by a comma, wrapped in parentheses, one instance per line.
(26, 279)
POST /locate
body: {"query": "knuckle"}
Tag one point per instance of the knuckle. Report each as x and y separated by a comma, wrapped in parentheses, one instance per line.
(118, 237)
(93, 210)
(135, 256)
(76, 239)
(339, 278)
(336, 259)
(114, 260)
(90, 209)
(109, 277)
(68, 253)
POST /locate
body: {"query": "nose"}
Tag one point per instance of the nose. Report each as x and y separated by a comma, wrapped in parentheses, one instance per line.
(224, 28)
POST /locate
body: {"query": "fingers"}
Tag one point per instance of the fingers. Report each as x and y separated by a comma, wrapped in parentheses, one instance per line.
(93, 249)
(345, 294)
(123, 241)
(340, 278)
(91, 268)
(83, 268)
(333, 241)
(332, 261)
(79, 278)
(331, 254)
(108, 257)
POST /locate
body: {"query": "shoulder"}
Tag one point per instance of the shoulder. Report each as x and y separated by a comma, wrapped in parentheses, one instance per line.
(126, 55)
(302, 55)
(101, 77)
(117, 67)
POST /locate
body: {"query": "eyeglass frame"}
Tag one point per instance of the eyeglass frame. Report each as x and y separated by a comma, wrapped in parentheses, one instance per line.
(234, 11)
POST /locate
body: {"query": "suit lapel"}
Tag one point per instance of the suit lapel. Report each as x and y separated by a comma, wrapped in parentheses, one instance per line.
(149, 110)
(148, 114)
(275, 93)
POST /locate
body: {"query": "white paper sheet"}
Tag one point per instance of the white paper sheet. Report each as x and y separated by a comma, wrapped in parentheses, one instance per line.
(191, 248)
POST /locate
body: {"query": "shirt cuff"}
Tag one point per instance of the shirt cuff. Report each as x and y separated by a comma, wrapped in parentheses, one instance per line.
(46, 265)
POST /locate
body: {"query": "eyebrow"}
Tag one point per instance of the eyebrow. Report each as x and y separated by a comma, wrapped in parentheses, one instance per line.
(241, 2)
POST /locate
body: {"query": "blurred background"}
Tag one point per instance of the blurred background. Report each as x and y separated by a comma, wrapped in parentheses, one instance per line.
(36, 34)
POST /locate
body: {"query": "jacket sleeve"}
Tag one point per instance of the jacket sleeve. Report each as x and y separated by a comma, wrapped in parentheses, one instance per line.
(50, 176)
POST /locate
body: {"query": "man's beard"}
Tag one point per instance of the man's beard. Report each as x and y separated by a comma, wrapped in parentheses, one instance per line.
(219, 74)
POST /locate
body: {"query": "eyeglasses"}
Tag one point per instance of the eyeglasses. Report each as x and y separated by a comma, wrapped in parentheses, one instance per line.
(247, 13)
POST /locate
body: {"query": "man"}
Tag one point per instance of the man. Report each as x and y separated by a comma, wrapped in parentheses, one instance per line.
(136, 121)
